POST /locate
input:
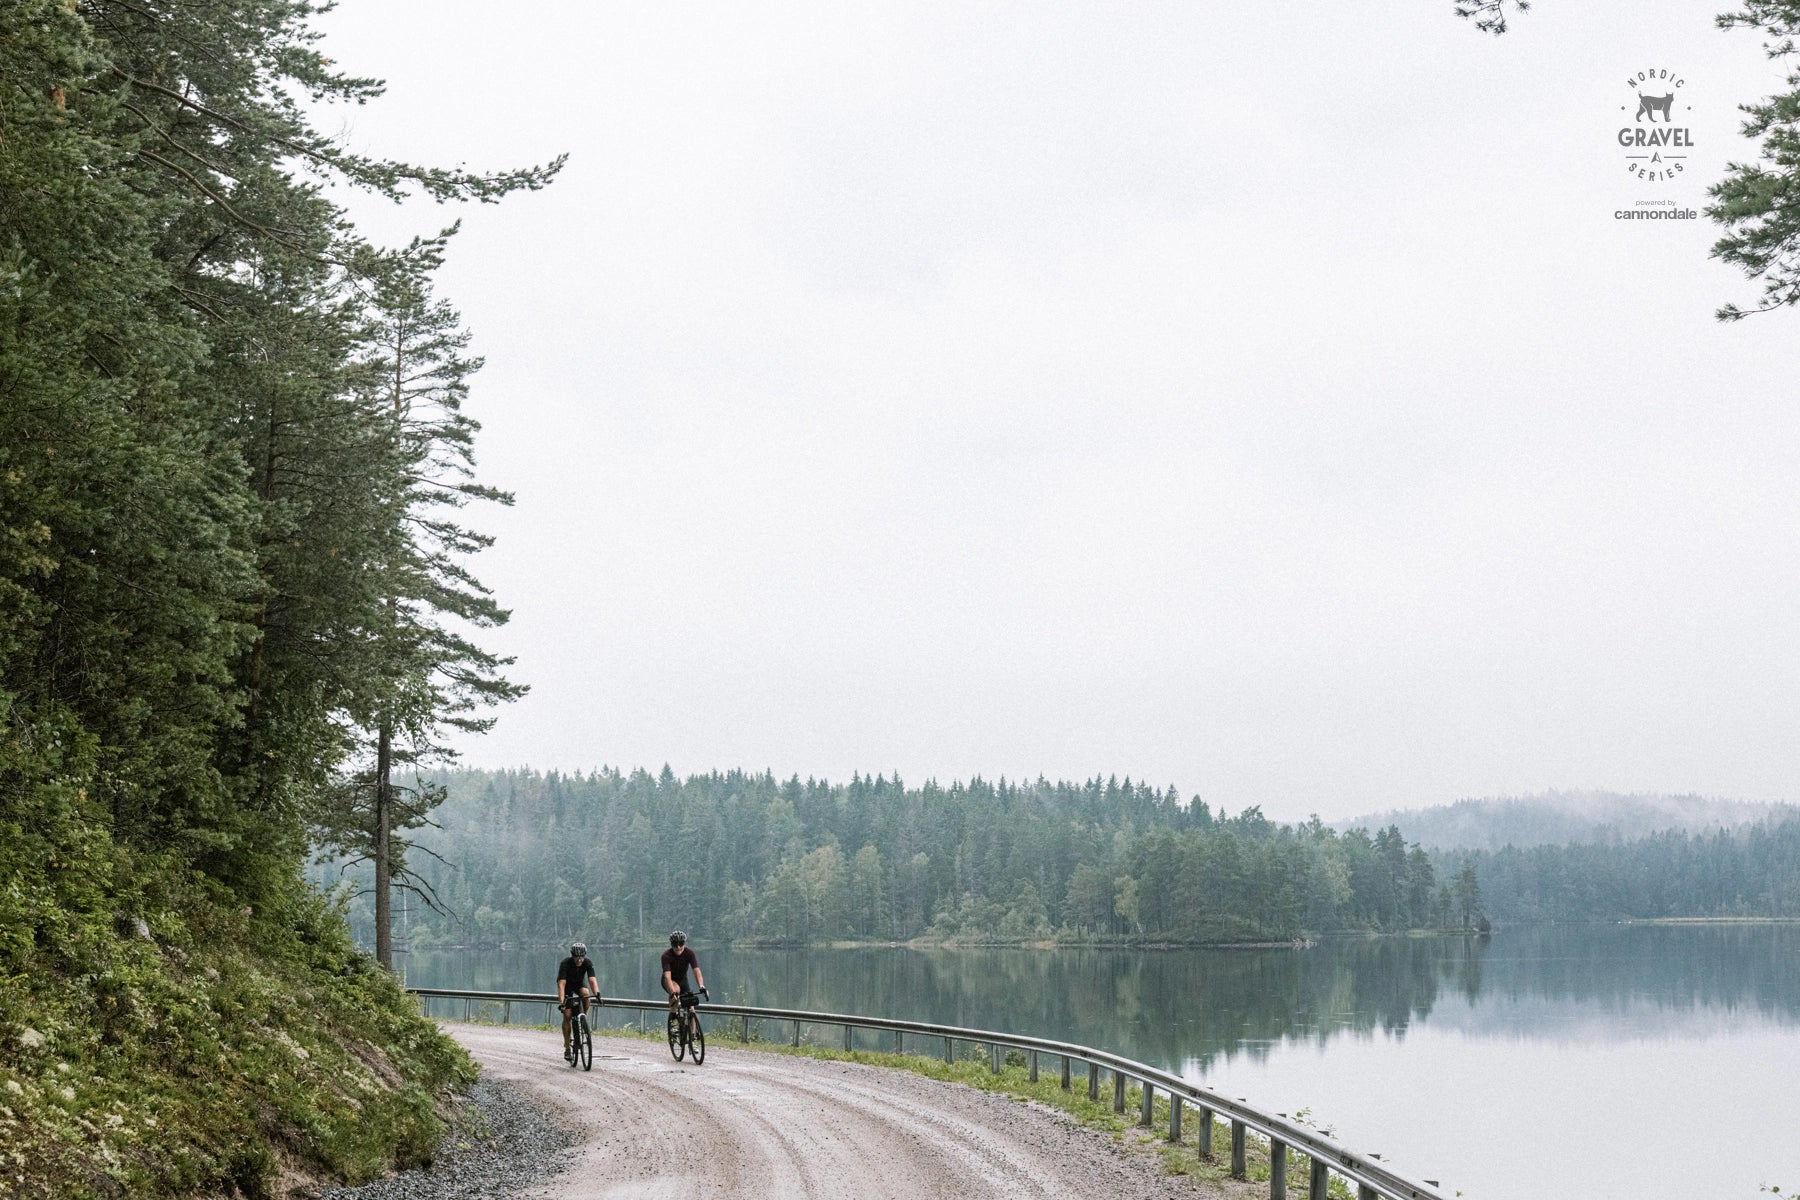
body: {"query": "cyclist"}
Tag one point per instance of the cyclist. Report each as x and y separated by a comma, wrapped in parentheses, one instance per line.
(677, 961)
(576, 984)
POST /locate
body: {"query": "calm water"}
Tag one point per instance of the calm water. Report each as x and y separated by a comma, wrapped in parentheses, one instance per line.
(1644, 1062)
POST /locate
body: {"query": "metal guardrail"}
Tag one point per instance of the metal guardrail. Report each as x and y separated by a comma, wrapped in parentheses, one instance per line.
(1373, 1179)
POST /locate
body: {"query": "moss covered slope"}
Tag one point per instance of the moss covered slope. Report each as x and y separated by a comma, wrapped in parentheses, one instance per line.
(159, 1038)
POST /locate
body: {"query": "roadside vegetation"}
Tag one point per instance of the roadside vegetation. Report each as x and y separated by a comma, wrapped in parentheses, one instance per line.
(234, 598)
(194, 1047)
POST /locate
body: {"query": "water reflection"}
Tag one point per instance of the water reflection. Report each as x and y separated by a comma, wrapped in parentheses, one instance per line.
(1188, 1008)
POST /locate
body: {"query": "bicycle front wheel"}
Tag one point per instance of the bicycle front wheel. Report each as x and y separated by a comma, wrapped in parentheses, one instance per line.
(697, 1042)
(585, 1044)
(675, 1044)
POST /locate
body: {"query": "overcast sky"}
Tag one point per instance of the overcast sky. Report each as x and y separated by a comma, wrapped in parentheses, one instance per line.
(1257, 398)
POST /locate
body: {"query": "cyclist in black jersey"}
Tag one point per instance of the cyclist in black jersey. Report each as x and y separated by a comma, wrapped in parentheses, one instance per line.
(576, 984)
(677, 960)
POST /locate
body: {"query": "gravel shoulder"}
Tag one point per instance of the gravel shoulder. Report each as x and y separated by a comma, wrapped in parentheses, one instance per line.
(752, 1124)
(502, 1142)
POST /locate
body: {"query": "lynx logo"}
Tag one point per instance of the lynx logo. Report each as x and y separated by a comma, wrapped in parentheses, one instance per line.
(1655, 146)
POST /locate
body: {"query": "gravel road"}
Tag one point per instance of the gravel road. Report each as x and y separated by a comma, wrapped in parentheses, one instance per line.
(763, 1125)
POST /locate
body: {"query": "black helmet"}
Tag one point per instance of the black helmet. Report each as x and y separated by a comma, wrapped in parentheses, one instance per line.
(678, 938)
(579, 949)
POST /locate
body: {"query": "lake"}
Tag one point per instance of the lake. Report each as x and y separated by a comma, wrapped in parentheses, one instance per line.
(1649, 1062)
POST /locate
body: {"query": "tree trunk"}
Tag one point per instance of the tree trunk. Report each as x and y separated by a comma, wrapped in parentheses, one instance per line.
(384, 751)
(384, 938)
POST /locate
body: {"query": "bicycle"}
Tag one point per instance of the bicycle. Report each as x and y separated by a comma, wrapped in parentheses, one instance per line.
(685, 1034)
(581, 1036)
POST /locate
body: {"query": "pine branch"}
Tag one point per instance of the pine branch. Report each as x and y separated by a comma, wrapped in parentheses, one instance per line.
(275, 234)
(422, 888)
(1489, 15)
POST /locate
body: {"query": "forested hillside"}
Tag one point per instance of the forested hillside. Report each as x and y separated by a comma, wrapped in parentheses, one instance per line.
(1749, 871)
(527, 857)
(1557, 818)
(231, 455)
(614, 857)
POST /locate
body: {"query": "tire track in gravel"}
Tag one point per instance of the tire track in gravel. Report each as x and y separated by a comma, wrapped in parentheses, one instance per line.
(957, 1146)
(766, 1125)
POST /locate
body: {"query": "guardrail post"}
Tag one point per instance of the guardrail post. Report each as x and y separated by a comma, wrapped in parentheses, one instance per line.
(1237, 1149)
(1147, 1110)
(994, 1056)
(849, 1038)
(1204, 1145)
(1065, 1073)
(899, 1042)
(1093, 1080)
(640, 1020)
(1034, 1066)
(1118, 1092)
(744, 1033)
(949, 1052)
(1174, 1117)
(796, 1035)
(1319, 1183)
(506, 1013)
(1365, 1192)
(1277, 1169)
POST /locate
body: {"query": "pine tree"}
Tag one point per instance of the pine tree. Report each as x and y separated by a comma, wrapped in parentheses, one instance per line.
(413, 368)
(198, 506)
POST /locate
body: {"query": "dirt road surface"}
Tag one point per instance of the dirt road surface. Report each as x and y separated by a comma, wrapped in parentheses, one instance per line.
(759, 1125)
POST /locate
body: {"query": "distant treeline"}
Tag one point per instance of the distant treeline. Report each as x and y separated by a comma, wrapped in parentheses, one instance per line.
(1750, 871)
(522, 856)
(1559, 818)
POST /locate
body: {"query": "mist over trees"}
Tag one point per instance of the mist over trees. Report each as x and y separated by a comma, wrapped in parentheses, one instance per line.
(615, 857)
(1558, 818)
(1747, 871)
(524, 857)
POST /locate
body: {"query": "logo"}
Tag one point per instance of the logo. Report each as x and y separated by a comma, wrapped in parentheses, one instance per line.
(1654, 210)
(1656, 146)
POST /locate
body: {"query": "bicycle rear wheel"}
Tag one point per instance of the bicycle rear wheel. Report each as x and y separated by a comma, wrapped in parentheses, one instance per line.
(675, 1043)
(585, 1044)
(697, 1041)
